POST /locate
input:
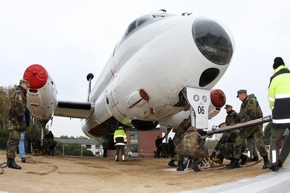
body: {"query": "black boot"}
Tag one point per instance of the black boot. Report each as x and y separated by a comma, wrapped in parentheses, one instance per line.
(244, 159)
(180, 166)
(266, 162)
(274, 168)
(11, 164)
(220, 158)
(280, 164)
(194, 165)
(234, 164)
(230, 162)
(171, 163)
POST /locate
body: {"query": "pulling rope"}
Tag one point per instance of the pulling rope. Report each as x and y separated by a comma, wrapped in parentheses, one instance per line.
(2, 166)
(248, 165)
(216, 164)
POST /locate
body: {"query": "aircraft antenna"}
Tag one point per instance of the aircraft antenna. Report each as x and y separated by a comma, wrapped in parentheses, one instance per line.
(90, 77)
(184, 14)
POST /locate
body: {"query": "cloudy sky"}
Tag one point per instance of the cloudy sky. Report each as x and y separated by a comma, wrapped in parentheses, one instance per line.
(72, 38)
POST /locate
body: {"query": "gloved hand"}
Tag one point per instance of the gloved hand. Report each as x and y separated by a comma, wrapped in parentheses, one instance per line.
(202, 132)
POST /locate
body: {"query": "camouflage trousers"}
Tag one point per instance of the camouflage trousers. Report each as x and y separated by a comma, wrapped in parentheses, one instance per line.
(226, 150)
(242, 137)
(12, 143)
(191, 145)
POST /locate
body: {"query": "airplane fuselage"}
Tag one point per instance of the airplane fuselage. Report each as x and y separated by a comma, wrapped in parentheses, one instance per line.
(144, 81)
(160, 58)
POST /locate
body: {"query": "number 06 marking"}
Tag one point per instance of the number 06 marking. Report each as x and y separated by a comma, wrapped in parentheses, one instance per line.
(200, 109)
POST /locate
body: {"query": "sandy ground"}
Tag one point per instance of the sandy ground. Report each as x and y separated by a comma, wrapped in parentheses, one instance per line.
(93, 174)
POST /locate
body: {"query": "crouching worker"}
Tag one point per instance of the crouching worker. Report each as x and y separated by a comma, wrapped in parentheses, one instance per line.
(48, 144)
(225, 147)
(179, 131)
(191, 146)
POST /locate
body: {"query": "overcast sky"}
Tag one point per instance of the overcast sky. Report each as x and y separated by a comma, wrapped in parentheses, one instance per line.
(72, 38)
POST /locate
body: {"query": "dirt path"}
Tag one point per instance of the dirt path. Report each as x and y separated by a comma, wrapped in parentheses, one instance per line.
(52, 174)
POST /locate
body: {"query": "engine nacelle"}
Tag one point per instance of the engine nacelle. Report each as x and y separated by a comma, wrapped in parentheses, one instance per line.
(41, 97)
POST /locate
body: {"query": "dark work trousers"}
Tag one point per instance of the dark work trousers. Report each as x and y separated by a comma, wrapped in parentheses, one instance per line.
(118, 148)
(276, 136)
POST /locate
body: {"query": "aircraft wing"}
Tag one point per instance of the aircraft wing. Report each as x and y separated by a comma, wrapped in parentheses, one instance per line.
(74, 109)
(42, 101)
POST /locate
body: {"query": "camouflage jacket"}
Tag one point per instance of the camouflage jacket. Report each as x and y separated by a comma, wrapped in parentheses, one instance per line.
(228, 137)
(191, 144)
(17, 109)
(250, 109)
(180, 130)
(232, 118)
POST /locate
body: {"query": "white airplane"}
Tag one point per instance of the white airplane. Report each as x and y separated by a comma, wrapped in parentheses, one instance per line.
(161, 71)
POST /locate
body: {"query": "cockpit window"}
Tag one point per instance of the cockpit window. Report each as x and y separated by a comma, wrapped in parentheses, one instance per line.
(140, 23)
(136, 23)
(145, 19)
(212, 41)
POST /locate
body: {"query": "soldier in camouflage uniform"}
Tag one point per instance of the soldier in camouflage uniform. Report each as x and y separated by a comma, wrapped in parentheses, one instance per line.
(179, 131)
(249, 110)
(171, 147)
(232, 117)
(17, 122)
(192, 146)
(225, 146)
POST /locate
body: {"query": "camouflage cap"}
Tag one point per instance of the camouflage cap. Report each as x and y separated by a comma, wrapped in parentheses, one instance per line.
(228, 106)
(25, 82)
(241, 91)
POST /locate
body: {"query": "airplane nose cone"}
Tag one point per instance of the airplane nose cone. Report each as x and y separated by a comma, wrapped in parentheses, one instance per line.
(212, 41)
